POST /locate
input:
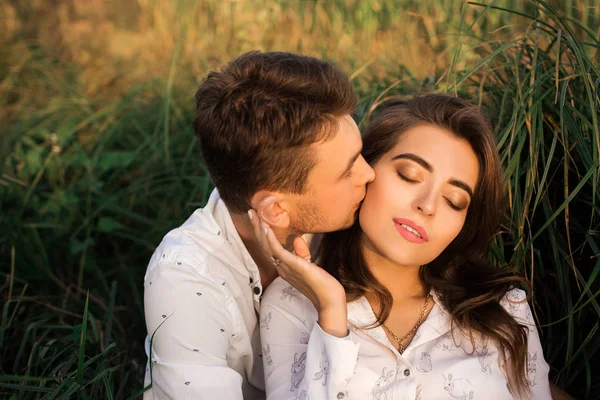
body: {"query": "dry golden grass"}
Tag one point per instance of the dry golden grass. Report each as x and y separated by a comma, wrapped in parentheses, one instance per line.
(114, 44)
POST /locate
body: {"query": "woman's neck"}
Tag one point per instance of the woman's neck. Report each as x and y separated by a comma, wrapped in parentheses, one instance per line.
(402, 281)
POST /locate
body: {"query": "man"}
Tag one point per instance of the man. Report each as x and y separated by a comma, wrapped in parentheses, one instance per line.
(277, 137)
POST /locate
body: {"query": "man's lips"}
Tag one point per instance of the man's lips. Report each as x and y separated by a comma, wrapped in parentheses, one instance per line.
(357, 206)
(415, 230)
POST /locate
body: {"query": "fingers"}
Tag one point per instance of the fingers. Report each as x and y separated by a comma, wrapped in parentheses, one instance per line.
(259, 232)
(290, 260)
(272, 248)
(255, 221)
(301, 248)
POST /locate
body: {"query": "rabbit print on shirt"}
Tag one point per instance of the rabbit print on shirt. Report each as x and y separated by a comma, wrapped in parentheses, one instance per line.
(531, 368)
(424, 364)
(512, 300)
(324, 368)
(380, 390)
(459, 388)
(290, 293)
(303, 395)
(445, 342)
(269, 360)
(298, 369)
(264, 321)
(483, 355)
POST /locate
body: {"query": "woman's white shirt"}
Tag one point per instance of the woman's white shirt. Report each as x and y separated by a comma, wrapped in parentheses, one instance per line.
(303, 362)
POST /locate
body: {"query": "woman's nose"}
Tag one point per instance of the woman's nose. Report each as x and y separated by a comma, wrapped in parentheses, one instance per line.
(425, 202)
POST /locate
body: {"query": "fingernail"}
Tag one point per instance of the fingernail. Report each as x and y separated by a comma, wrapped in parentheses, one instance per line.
(250, 214)
(266, 231)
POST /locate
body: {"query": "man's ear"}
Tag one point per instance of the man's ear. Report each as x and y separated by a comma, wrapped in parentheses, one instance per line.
(272, 207)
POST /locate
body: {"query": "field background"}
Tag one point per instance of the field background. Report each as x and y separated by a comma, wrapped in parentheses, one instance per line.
(98, 160)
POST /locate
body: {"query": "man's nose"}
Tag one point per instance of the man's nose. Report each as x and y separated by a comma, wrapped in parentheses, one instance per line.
(368, 174)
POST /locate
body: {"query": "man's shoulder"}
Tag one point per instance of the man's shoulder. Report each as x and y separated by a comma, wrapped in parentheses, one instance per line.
(194, 240)
(188, 266)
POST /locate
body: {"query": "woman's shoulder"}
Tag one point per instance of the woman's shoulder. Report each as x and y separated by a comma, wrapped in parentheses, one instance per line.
(282, 295)
(515, 295)
(278, 284)
(515, 302)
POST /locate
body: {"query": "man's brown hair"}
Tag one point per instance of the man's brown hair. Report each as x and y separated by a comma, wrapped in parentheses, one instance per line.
(258, 116)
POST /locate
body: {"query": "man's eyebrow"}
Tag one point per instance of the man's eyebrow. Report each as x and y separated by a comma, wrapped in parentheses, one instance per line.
(351, 163)
(455, 182)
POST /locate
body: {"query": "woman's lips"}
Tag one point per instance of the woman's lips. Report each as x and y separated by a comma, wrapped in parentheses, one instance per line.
(410, 230)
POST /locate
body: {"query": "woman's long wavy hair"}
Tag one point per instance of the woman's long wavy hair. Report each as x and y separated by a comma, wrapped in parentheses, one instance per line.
(467, 285)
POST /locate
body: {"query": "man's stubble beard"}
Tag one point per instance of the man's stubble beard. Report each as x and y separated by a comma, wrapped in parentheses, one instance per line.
(312, 220)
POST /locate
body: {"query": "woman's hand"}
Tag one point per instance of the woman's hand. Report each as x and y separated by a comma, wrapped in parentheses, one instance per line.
(322, 289)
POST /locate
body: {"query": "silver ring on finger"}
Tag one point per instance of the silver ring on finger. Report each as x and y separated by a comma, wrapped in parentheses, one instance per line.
(275, 261)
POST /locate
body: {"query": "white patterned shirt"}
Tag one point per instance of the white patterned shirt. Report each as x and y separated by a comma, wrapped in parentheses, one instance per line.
(201, 299)
(302, 362)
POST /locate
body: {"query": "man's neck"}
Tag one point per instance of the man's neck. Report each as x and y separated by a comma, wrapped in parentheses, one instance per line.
(267, 270)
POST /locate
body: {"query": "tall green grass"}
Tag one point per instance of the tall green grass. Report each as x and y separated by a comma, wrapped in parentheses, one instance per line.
(90, 185)
(543, 90)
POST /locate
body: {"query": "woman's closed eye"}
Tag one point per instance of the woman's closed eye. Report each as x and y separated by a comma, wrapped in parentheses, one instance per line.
(406, 178)
(452, 205)
(456, 206)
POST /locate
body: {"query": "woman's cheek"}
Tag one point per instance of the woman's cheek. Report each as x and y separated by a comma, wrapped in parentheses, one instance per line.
(453, 228)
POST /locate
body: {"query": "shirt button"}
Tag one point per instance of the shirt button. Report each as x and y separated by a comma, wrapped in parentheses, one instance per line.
(256, 290)
(341, 395)
(406, 372)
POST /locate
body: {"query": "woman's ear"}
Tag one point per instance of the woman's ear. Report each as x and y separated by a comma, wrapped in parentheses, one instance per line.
(271, 207)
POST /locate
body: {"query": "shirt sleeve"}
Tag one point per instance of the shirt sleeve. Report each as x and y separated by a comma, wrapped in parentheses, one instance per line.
(301, 361)
(189, 329)
(516, 304)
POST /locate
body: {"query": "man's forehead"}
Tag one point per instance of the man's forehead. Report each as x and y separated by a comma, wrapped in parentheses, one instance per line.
(341, 149)
(346, 139)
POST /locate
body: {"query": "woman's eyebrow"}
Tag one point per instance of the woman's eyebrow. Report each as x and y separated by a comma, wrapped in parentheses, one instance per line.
(462, 185)
(415, 158)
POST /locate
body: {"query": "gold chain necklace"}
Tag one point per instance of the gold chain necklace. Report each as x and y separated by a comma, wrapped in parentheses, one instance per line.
(401, 347)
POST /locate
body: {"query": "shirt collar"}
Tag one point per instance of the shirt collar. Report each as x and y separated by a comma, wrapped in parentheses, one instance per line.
(437, 323)
(236, 251)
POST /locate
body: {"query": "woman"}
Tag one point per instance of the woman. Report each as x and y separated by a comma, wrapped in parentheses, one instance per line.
(426, 316)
